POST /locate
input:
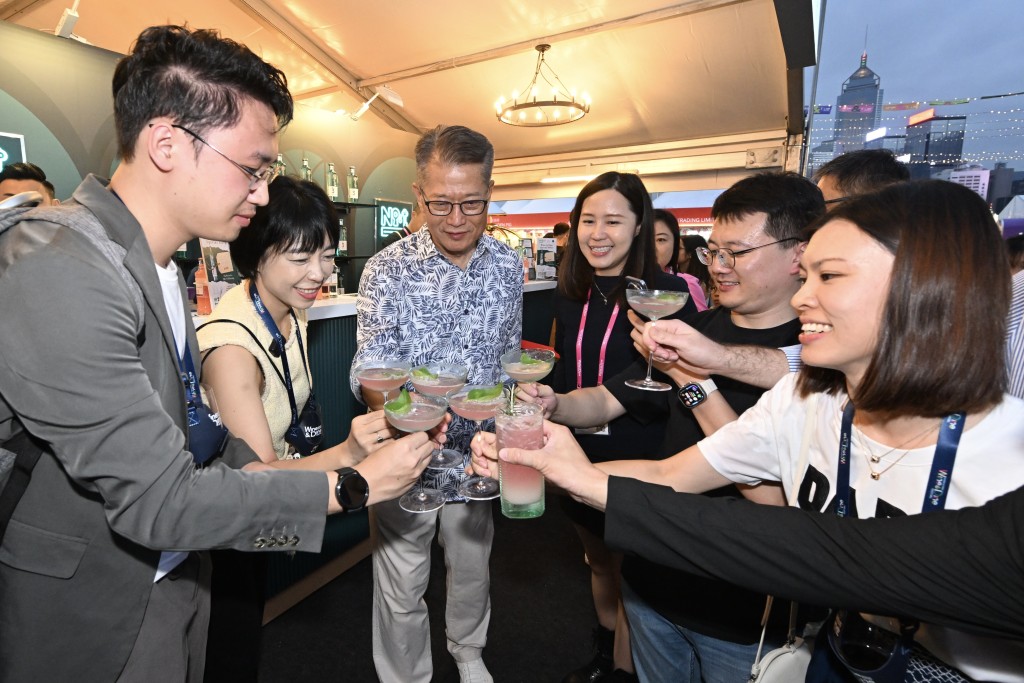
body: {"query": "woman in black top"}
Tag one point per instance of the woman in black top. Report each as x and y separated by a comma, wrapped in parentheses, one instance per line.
(611, 236)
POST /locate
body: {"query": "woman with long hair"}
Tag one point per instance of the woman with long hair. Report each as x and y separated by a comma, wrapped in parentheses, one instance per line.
(666, 246)
(904, 378)
(611, 236)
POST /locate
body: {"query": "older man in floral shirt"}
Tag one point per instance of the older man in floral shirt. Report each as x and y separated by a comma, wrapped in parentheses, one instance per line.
(448, 293)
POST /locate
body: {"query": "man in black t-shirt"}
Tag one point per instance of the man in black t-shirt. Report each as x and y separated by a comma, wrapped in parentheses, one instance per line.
(682, 627)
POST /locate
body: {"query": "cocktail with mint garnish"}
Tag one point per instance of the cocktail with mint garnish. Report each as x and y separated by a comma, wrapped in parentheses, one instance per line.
(440, 379)
(417, 413)
(478, 403)
(527, 365)
(383, 376)
(654, 304)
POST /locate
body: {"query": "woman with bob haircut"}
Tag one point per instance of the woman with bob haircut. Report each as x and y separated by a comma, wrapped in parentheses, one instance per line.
(904, 378)
(255, 360)
(611, 236)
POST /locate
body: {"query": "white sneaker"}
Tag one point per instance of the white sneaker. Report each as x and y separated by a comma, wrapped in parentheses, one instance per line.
(474, 671)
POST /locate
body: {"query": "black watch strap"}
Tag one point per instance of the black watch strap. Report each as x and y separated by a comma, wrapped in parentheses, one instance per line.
(351, 491)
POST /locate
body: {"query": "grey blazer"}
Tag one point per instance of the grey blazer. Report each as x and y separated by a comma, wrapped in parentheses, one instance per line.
(80, 370)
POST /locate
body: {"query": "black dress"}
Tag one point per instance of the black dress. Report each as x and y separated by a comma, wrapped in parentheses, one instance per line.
(627, 437)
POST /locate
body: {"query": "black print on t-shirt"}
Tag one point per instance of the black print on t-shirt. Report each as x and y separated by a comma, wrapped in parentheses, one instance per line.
(816, 494)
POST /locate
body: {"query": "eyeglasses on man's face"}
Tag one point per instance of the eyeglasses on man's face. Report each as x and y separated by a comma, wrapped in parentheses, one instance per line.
(256, 176)
(727, 257)
(471, 207)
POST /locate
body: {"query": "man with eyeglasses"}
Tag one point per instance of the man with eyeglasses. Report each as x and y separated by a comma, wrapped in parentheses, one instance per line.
(446, 293)
(686, 628)
(102, 574)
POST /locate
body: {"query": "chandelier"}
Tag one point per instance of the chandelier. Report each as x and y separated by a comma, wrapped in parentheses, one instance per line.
(535, 108)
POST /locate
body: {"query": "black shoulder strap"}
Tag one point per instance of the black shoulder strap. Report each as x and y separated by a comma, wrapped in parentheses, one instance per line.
(254, 338)
(27, 450)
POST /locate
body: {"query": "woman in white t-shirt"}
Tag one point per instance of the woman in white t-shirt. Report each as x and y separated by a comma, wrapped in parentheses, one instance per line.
(903, 308)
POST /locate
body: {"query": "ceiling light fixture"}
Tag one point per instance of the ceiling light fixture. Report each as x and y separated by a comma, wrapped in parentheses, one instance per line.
(554, 107)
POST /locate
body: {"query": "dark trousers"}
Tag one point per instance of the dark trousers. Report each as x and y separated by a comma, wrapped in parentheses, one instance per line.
(236, 616)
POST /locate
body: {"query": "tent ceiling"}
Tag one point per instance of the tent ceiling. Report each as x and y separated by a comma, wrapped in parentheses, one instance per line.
(658, 71)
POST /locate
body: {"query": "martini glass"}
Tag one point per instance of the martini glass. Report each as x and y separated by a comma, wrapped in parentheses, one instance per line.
(478, 410)
(526, 366)
(421, 415)
(440, 379)
(382, 375)
(653, 304)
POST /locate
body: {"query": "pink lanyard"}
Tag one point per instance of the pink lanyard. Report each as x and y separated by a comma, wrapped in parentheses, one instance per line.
(604, 344)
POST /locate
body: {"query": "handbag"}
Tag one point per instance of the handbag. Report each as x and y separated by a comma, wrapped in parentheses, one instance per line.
(787, 664)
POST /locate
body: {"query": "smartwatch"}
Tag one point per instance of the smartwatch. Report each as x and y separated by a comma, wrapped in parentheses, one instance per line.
(351, 491)
(693, 394)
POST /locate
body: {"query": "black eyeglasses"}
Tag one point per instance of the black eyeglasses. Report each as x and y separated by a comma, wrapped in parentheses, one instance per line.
(471, 207)
(255, 176)
(836, 200)
(727, 257)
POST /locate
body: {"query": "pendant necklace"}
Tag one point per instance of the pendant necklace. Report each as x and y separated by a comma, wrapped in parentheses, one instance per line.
(873, 458)
(603, 297)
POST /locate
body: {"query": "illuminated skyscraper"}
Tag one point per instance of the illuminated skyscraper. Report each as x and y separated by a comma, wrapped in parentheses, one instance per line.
(857, 108)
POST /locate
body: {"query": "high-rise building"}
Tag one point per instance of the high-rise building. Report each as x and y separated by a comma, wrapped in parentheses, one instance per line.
(934, 143)
(973, 177)
(857, 108)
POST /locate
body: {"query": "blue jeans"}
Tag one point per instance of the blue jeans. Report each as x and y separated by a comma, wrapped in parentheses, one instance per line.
(664, 652)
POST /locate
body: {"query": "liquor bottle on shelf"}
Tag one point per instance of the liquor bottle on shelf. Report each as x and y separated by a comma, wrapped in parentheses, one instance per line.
(307, 173)
(203, 306)
(278, 168)
(352, 182)
(332, 183)
(342, 238)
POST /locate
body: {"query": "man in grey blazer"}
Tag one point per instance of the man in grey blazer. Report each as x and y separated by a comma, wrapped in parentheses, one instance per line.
(97, 578)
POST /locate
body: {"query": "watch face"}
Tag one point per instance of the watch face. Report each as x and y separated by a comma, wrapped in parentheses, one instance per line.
(692, 395)
(353, 490)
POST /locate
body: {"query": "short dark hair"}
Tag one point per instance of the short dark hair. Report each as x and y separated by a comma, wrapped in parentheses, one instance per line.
(669, 219)
(790, 201)
(25, 170)
(575, 274)
(298, 216)
(454, 146)
(864, 170)
(938, 351)
(196, 78)
(560, 229)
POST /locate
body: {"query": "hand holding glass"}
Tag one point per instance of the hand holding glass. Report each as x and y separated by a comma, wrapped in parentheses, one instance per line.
(654, 304)
(522, 488)
(417, 413)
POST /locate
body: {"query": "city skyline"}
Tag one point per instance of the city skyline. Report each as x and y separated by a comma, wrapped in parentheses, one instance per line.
(926, 51)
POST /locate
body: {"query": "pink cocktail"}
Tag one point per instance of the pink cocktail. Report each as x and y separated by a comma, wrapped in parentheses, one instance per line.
(421, 416)
(478, 410)
(382, 376)
(522, 488)
(527, 365)
(439, 379)
(485, 402)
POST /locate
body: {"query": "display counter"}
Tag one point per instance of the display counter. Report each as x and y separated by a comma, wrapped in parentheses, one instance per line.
(331, 348)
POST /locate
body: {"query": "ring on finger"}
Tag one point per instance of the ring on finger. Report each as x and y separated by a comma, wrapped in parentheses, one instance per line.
(380, 439)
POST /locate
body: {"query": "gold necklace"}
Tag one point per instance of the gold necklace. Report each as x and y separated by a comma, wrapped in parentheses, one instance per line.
(603, 297)
(872, 458)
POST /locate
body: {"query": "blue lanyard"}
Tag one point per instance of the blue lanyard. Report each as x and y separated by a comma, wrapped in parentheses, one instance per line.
(190, 378)
(279, 338)
(942, 462)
